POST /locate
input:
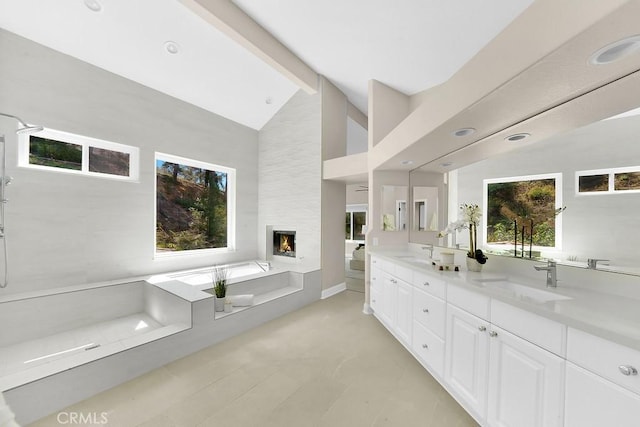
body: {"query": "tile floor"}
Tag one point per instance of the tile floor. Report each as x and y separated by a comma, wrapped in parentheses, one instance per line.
(324, 365)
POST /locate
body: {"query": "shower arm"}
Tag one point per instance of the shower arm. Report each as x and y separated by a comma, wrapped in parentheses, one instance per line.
(25, 127)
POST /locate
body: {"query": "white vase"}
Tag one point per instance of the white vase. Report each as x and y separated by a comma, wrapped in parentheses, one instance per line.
(219, 304)
(474, 265)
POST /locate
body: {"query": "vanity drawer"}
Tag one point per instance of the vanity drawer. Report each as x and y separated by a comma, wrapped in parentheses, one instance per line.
(404, 273)
(605, 358)
(473, 302)
(429, 283)
(538, 330)
(429, 348)
(383, 265)
(430, 312)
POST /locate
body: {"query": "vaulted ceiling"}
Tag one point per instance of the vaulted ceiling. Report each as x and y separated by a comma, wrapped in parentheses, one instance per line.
(410, 45)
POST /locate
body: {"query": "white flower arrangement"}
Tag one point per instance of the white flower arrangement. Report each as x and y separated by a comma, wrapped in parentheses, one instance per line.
(470, 214)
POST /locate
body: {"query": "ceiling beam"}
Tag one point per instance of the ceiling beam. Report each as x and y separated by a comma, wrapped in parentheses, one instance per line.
(240, 27)
(357, 116)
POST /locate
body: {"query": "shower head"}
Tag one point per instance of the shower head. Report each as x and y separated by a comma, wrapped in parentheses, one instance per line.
(24, 127)
(28, 129)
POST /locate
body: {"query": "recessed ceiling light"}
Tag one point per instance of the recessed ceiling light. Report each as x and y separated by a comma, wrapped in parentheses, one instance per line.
(93, 5)
(517, 137)
(446, 164)
(406, 162)
(464, 132)
(615, 51)
(172, 47)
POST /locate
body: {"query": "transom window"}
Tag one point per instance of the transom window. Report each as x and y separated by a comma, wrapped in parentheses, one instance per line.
(195, 204)
(54, 150)
(608, 181)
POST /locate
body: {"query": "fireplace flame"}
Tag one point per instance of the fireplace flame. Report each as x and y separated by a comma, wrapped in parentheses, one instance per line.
(284, 244)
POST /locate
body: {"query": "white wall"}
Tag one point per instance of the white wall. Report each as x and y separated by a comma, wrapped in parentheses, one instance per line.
(599, 226)
(334, 144)
(290, 175)
(64, 229)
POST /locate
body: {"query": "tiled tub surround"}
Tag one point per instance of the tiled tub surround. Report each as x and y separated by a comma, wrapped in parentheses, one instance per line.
(510, 360)
(175, 304)
(53, 332)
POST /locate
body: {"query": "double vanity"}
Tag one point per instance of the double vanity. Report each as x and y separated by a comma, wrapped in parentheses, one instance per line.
(514, 354)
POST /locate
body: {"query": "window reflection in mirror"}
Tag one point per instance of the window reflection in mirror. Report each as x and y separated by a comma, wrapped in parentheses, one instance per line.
(425, 208)
(394, 207)
(520, 213)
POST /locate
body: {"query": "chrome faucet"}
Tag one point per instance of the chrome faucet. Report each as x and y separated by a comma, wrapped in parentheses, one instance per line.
(429, 247)
(592, 263)
(550, 268)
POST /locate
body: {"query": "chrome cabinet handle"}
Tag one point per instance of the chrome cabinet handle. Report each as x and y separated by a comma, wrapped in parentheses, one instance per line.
(493, 334)
(482, 328)
(373, 300)
(425, 346)
(426, 284)
(425, 310)
(394, 281)
(628, 370)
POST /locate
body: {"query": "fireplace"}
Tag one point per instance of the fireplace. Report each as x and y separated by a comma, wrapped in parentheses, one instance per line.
(284, 243)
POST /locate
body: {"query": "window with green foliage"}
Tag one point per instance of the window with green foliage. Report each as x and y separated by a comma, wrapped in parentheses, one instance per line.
(523, 209)
(608, 181)
(60, 151)
(194, 205)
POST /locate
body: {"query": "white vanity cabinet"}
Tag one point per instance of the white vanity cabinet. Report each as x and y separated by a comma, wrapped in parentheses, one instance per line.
(393, 297)
(603, 386)
(429, 317)
(525, 383)
(403, 319)
(467, 357)
(500, 377)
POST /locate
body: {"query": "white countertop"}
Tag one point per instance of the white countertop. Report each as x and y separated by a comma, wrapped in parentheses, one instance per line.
(612, 317)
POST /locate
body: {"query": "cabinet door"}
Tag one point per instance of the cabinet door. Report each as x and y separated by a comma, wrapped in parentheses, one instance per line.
(388, 300)
(403, 311)
(525, 383)
(466, 364)
(592, 401)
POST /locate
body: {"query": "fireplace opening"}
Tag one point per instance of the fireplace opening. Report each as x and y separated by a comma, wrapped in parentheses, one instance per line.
(284, 243)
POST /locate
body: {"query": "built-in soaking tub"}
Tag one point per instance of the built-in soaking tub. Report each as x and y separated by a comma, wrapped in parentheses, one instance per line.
(43, 334)
(258, 278)
(48, 352)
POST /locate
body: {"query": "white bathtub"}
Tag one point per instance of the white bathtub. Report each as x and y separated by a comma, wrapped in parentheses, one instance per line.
(236, 272)
(46, 334)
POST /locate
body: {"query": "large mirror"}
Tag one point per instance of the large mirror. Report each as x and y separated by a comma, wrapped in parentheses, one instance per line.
(395, 208)
(593, 172)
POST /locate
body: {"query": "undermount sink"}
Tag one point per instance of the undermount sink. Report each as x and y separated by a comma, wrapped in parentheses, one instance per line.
(523, 292)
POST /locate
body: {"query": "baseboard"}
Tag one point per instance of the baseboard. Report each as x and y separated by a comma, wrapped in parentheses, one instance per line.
(326, 293)
(366, 309)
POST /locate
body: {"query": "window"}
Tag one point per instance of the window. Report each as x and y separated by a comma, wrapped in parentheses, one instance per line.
(64, 152)
(608, 181)
(356, 222)
(522, 212)
(194, 205)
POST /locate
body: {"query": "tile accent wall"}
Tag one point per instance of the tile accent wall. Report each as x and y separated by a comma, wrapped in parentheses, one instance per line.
(290, 176)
